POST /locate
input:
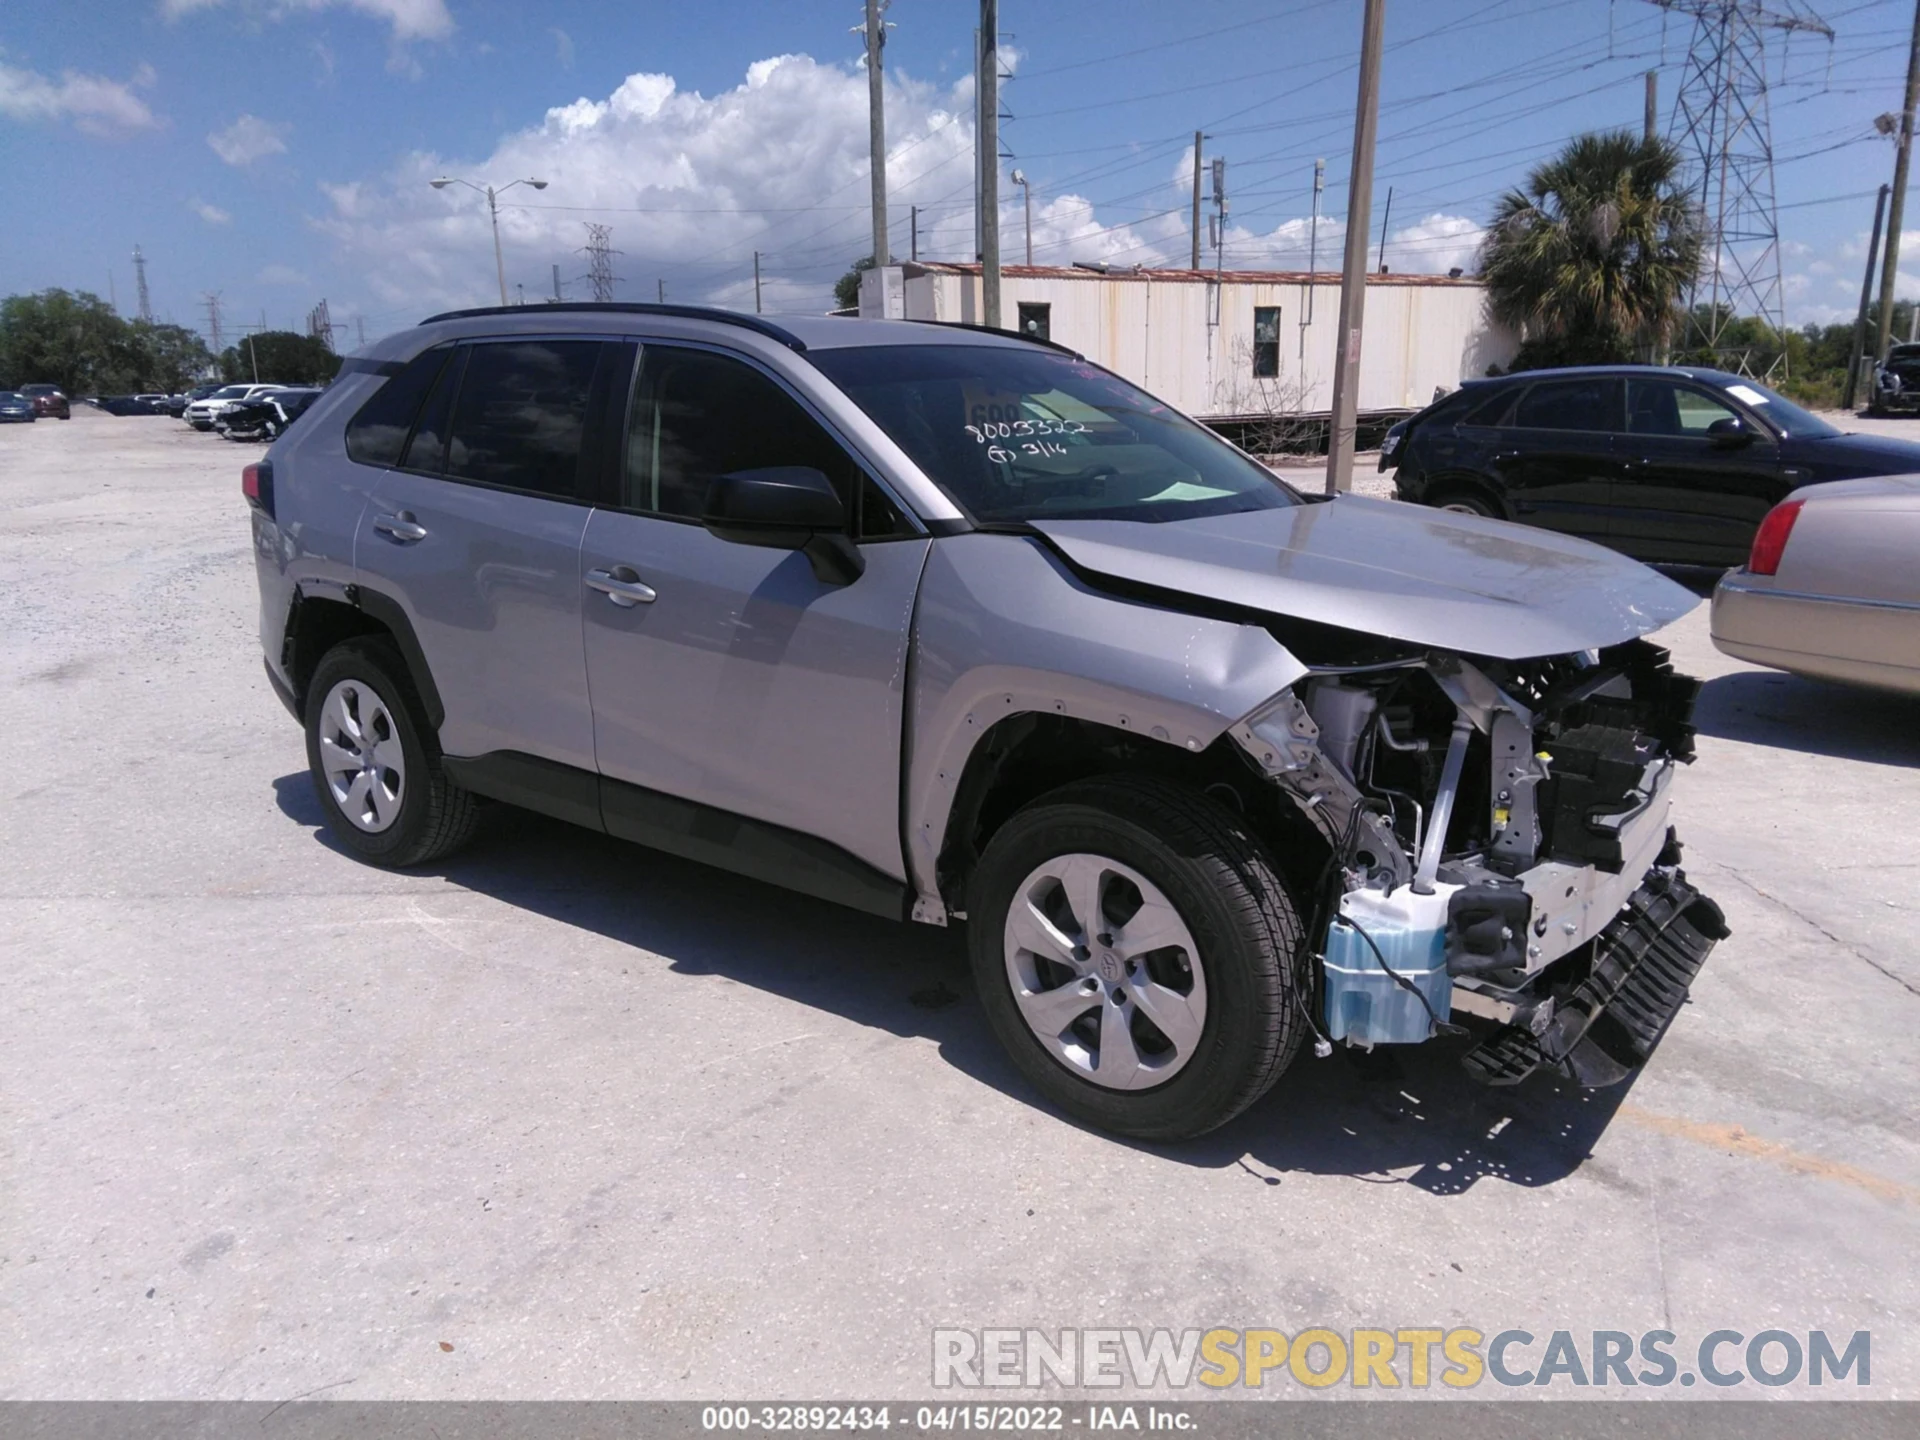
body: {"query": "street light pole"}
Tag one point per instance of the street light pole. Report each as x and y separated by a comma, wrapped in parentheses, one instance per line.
(493, 213)
(1026, 194)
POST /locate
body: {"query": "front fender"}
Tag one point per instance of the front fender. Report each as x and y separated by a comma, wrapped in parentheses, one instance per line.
(1004, 628)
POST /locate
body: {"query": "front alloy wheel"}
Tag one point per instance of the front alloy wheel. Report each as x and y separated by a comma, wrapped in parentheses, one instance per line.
(1105, 972)
(1137, 955)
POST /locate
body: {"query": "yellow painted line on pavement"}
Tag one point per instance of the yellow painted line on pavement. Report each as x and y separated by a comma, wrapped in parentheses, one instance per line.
(1735, 1140)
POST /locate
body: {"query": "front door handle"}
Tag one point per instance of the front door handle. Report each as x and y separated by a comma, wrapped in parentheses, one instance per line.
(622, 586)
(401, 527)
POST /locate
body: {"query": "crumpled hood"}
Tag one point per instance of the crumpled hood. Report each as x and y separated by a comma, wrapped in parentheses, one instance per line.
(1404, 572)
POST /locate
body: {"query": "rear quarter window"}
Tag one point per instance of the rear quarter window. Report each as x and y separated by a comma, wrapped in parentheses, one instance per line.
(378, 431)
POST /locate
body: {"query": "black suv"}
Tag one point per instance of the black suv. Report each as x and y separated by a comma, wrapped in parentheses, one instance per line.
(1673, 466)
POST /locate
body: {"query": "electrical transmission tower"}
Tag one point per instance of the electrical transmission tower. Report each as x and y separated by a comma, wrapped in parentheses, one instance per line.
(1722, 124)
(600, 252)
(211, 299)
(320, 324)
(140, 280)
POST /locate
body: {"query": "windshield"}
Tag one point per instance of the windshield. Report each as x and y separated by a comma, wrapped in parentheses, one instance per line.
(1788, 416)
(230, 392)
(1017, 434)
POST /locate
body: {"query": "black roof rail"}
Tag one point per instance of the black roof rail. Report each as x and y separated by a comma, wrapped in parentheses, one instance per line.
(1003, 334)
(622, 307)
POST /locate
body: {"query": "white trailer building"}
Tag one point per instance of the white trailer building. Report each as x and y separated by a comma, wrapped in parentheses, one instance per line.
(1242, 345)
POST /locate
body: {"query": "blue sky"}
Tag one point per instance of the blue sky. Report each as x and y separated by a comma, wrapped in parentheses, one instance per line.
(277, 151)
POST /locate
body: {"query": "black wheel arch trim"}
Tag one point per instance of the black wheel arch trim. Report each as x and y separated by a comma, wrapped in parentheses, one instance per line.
(390, 613)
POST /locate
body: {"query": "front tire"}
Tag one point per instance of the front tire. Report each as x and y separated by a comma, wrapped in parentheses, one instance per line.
(1170, 1005)
(375, 764)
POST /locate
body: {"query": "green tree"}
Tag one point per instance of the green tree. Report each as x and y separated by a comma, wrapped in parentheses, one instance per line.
(74, 341)
(77, 342)
(172, 357)
(1590, 259)
(278, 357)
(846, 290)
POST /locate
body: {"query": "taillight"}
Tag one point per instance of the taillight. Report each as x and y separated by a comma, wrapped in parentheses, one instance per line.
(1771, 538)
(256, 483)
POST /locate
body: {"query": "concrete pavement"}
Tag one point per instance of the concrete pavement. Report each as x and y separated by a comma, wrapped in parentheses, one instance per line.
(567, 1118)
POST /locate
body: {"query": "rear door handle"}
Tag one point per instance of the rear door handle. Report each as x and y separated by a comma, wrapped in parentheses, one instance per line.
(622, 586)
(402, 527)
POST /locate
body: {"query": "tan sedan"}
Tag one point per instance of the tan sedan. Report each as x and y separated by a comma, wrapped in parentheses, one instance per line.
(1832, 588)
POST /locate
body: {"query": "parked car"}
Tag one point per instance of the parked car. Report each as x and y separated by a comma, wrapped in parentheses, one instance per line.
(1896, 383)
(16, 408)
(948, 625)
(265, 417)
(201, 413)
(48, 400)
(1672, 466)
(1832, 588)
(122, 405)
(177, 404)
(154, 404)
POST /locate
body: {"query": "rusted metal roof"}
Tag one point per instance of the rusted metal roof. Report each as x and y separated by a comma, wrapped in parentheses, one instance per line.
(1177, 277)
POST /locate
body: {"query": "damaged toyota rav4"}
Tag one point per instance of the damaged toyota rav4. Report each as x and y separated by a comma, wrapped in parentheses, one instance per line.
(953, 626)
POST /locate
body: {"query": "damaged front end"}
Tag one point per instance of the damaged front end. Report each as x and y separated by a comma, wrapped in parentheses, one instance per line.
(1499, 848)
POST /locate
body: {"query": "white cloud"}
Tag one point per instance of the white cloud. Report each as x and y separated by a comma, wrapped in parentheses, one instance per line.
(249, 139)
(283, 275)
(694, 184)
(409, 19)
(94, 104)
(691, 184)
(212, 214)
(563, 47)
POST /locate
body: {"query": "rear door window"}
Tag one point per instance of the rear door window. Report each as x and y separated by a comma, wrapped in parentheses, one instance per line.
(1586, 404)
(521, 417)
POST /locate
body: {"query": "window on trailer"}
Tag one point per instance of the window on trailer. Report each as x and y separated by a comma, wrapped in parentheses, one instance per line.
(1266, 342)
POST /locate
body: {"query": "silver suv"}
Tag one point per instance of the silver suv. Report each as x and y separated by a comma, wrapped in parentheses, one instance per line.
(951, 625)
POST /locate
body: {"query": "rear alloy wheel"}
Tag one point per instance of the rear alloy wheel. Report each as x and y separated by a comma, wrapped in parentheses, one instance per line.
(1134, 951)
(376, 767)
(1458, 502)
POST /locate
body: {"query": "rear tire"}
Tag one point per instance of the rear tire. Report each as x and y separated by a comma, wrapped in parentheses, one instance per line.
(376, 765)
(1465, 502)
(1209, 888)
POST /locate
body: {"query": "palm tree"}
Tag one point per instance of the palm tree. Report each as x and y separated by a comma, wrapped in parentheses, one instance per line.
(1589, 262)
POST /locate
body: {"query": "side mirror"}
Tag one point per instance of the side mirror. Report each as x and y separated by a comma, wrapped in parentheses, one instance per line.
(1730, 433)
(786, 507)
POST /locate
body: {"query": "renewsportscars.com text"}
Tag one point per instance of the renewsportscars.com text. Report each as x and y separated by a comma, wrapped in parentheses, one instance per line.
(1459, 1358)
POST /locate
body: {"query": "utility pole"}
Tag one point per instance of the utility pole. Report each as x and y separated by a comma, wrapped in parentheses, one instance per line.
(360, 331)
(1313, 252)
(1890, 265)
(140, 283)
(1198, 140)
(1858, 353)
(1652, 129)
(877, 126)
(556, 282)
(1353, 271)
(989, 145)
(756, 282)
(913, 232)
(663, 290)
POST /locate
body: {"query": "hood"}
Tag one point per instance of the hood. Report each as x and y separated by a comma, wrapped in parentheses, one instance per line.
(1400, 571)
(1884, 451)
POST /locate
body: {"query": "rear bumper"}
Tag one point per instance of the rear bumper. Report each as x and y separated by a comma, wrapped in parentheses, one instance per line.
(1862, 642)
